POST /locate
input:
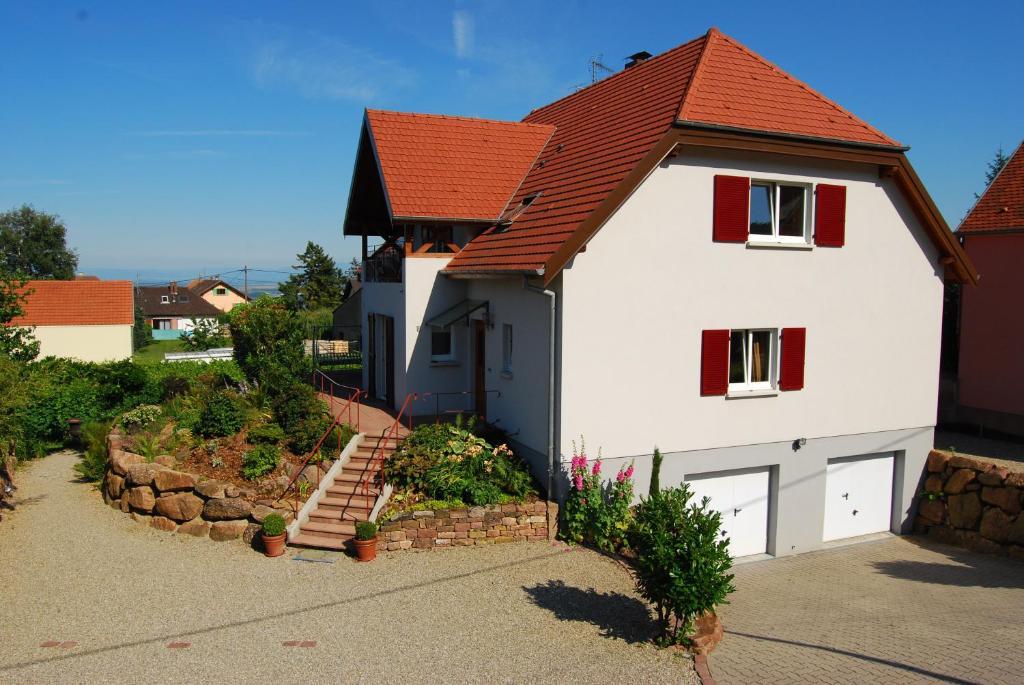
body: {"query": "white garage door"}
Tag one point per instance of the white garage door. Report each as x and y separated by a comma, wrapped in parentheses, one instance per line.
(858, 496)
(742, 498)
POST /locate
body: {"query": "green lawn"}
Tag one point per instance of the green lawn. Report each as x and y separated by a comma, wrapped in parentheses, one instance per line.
(153, 353)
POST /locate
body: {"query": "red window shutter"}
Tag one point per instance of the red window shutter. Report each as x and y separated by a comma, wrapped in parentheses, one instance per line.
(714, 362)
(830, 216)
(791, 368)
(732, 209)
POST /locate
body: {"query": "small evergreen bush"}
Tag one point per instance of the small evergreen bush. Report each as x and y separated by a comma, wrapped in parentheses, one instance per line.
(366, 530)
(260, 460)
(266, 434)
(220, 415)
(273, 525)
(93, 465)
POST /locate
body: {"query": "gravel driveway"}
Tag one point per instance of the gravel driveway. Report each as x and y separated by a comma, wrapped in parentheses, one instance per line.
(75, 571)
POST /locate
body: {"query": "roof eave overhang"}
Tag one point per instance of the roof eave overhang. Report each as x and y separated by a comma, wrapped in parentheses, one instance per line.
(989, 231)
(704, 126)
(405, 218)
(491, 273)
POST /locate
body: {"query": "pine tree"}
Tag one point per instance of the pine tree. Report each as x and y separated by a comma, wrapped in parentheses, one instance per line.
(319, 282)
(995, 165)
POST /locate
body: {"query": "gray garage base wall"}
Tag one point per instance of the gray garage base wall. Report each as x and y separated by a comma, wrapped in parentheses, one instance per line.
(797, 490)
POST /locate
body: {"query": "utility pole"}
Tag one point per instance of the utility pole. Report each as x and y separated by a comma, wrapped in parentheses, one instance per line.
(245, 272)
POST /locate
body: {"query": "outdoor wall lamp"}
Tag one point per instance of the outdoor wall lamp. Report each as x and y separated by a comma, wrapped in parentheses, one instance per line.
(798, 443)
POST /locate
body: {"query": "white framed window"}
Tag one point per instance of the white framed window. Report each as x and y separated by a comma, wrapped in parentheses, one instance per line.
(506, 348)
(165, 299)
(752, 359)
(220, 291)
(779, 212)
(442, 344)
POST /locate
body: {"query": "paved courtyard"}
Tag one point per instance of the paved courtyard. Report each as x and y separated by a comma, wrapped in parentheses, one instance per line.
(115, 594)
(892, 611)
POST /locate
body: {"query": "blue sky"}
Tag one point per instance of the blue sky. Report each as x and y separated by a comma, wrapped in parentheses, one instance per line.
(186, 136)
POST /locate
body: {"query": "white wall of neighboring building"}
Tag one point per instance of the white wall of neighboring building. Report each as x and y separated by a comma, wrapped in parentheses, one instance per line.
(103, 343)
(635, 303)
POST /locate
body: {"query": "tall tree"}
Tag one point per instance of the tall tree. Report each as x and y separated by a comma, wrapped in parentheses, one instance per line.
(995, 165)
(319, 283)
(16, 342)
(34, 243)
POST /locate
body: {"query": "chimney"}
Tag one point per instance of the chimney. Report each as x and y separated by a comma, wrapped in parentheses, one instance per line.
(173, 288)
(638, 58)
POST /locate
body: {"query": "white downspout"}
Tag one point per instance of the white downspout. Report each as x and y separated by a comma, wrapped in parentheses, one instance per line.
(553, 299)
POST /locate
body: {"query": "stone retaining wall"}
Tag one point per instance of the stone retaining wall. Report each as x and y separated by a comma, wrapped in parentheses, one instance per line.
(972, 503)
(475, 526)
(155, 494)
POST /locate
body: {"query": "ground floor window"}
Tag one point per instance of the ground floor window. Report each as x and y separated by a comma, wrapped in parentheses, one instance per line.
(442, 347)
(162, 324)
(752, 359)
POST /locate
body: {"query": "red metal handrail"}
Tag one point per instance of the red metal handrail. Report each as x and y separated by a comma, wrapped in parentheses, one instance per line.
(327, 386)
(392, 434)
(353, 399)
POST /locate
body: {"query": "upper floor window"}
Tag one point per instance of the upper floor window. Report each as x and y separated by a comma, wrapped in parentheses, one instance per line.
(165, 299)
(221, 291)
(778, 211)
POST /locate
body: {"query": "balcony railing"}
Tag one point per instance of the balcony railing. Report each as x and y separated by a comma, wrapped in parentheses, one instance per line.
(384, 265)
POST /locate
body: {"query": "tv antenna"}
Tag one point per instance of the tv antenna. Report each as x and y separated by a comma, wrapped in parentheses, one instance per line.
(597, 68)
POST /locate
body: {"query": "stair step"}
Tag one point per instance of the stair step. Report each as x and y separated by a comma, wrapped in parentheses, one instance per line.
(308, 540)
(340, 515)
(334, 499)
(328, 529)
(355, 477)
(348, 488)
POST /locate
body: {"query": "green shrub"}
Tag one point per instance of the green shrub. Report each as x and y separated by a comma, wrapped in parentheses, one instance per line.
(93, 465)
(681, 563)
(596, 512)
(294, 404)
(447, 461)
(273, 525)
(306, 433)
(220, 415)
(174, 386)
(366, 530)
(268, 343)
(148, 446)
(126, 384)
(140, 417)
(260, 460)
(266, 434)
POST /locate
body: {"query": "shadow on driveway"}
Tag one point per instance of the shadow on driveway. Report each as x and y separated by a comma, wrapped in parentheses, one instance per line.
(967, 569)
(615, 614)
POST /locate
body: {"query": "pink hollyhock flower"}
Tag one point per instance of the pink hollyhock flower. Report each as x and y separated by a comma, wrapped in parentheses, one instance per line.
(629, 471)
(620, 477)
(597, 467)
(578, 480)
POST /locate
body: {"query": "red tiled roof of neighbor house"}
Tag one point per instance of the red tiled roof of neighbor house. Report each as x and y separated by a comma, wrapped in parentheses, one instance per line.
(603, 131)
(442, 167)
(1001, 207)
(77, 303)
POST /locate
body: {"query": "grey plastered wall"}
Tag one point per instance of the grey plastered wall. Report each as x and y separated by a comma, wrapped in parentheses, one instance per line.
(797, 485)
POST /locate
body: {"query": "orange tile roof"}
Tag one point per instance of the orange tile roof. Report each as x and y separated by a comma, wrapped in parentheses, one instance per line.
(77, 303)
(603, 131)
(1001, 207)
(444, 167)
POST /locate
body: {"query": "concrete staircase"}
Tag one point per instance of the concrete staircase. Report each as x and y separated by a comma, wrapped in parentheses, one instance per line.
(349, 498)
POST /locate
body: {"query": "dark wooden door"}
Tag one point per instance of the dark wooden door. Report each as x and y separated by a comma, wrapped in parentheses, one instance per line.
(480, 368)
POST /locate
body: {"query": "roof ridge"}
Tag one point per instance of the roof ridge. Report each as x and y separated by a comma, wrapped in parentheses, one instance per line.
(981, 197)
(451, 117)
(618, 74)
(697, 69)
(785, 74)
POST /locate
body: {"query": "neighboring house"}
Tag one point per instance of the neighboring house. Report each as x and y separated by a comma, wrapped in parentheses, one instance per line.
(220, 294)
(991, 369)
(700, 253)
(172, 309)
(90, 320)
(348, 316)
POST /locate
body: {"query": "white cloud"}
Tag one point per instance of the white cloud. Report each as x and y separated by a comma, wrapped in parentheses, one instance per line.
(318, 66)
(462, 33)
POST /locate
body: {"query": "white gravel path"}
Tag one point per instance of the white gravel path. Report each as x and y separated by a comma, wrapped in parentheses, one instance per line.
(72, 569)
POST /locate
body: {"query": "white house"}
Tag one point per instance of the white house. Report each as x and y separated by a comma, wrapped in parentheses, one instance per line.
(698, 253)
(89, 320)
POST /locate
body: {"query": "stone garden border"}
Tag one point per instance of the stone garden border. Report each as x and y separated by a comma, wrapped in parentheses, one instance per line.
(495, 524)
(972, 503)
(155, 494)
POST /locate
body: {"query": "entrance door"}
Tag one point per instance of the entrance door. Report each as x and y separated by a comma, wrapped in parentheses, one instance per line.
(742, 499)
(383, 358)
(858, 496)
(480, 368)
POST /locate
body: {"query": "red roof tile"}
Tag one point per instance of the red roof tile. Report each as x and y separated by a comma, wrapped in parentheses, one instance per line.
(1001, 207)
(452, 167)
(603, 131)
(77, 303)
(737, 88)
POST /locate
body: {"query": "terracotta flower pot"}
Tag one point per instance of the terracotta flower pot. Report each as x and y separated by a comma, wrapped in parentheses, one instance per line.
(273, 545)
(366, 550)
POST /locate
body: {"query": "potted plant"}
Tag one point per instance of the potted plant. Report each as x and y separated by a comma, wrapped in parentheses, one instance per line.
(273, 535)
(365, 542)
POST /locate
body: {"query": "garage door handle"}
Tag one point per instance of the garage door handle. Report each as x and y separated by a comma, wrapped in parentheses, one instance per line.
(854, 512)
(846, 495)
